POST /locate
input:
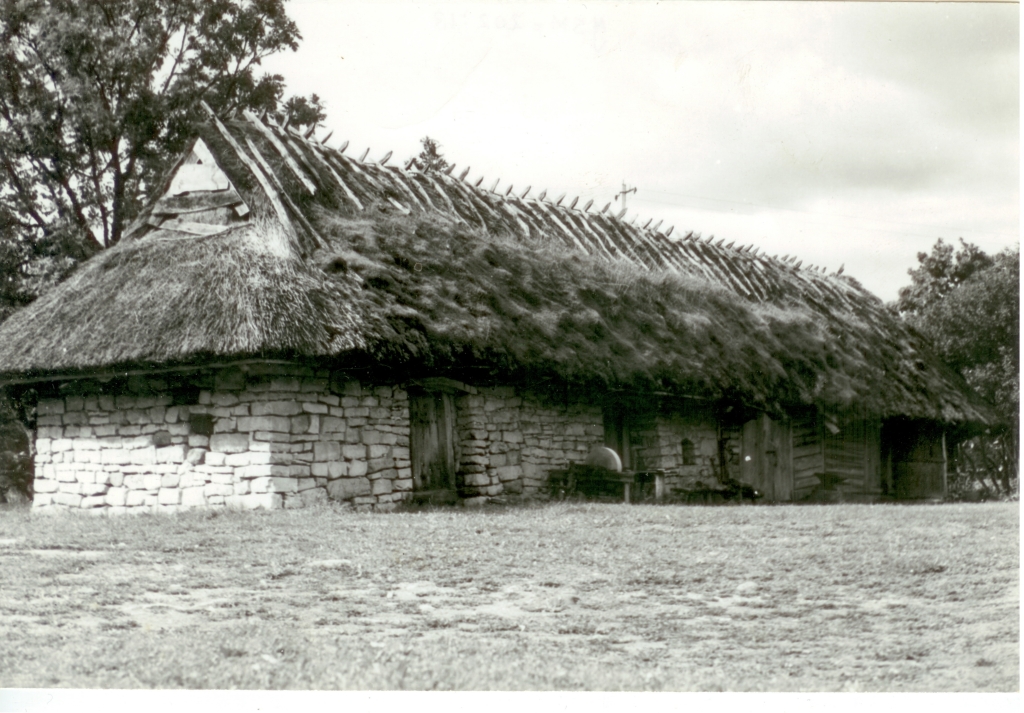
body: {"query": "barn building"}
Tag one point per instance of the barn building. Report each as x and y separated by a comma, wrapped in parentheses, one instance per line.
(286, 323)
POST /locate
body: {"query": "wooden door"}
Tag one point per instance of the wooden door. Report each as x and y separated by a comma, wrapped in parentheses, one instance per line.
(432, 440)
(767, 458)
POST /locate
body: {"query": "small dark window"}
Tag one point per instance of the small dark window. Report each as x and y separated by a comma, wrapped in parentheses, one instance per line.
(201, 424)
(689, 457)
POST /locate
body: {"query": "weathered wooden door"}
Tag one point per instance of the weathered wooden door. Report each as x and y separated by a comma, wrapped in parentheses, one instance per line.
(767, 458)
(432, 440)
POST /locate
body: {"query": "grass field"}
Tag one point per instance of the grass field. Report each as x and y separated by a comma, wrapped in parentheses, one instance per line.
(587, 596)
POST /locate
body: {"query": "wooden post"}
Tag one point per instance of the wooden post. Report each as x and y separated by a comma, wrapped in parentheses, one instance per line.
(659, 486)
(945, 466)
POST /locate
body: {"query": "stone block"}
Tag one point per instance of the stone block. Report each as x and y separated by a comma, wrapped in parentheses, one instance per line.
(320, 469)
(267, 501)
(90, 444)
(333, 424)
(45, 485)
(274, 424)
(169, 496)
(193, 497)
(345, 488)
(279, 485)
(339, 469)
(170, 480)
(218, 489)
(143, 456)
(272, 437)
(301, 424)
(326, 451)
(72, 500)
(353, 452)
(215, 459)
(225, 425)
(237, 459)
(402, 484)
(135, 498)
(116, 456)
(477, 479)
(197, 441)
(172, 454)
(381, 487)
(92, 488)
(305, 484)
(228, 443)
(314, 496)
(378, 451)
(152, 481)
(262, 470)
(358, 468)
(192, 479)
(117, 497)
(93, 501)
(376, 465)
(60, 445)
(276, 408)
(315, 408)
(50, 407)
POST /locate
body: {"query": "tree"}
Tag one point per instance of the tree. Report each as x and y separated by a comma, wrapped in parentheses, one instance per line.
(97, 97)
(967, 303)
(430, 158)
(299, 111)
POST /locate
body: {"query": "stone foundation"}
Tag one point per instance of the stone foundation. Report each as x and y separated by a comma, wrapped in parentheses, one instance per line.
(260, 437)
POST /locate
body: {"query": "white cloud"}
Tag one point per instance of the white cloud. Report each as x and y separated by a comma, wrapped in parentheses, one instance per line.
(852, 133)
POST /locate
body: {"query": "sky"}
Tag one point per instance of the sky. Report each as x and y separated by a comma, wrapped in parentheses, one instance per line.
(848, 134)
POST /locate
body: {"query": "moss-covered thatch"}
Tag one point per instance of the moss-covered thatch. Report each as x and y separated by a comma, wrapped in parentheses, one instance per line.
(172, 300)
(428, 274)
(456, 296)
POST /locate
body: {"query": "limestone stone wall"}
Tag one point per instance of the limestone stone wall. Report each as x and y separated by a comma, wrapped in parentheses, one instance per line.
(509, 442)
(659, 446)
(260, 436)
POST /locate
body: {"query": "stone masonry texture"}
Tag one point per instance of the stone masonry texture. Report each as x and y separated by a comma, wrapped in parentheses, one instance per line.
(285, 436)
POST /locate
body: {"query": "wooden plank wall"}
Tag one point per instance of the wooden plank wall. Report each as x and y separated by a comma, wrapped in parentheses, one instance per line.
(808, 455)
(854, 454)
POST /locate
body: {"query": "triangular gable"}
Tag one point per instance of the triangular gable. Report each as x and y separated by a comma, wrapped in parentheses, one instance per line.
(200, 198)
(199, 172)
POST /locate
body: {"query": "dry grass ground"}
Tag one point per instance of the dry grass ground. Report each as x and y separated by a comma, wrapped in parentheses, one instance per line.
(589, 596)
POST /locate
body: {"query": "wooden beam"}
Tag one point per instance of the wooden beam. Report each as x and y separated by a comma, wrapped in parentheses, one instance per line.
(257, 172)
(281, 150)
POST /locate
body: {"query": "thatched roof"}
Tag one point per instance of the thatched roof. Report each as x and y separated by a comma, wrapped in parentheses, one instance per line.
(315, 254)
